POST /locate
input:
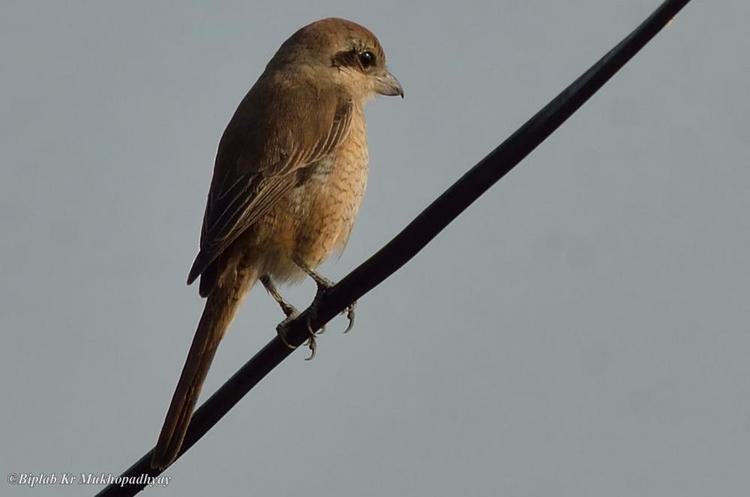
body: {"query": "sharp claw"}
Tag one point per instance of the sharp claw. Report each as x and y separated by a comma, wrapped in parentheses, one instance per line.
(311, 343)
(309, 329)
(350, 316)
(313, 332)
(312, 346)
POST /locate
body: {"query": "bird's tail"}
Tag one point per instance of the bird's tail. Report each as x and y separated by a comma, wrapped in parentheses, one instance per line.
(218, 313)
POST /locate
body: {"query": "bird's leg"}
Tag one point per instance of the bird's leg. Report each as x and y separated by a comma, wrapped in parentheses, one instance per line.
(324, 284)
(291, 314)
(289, 310)
(286, 307)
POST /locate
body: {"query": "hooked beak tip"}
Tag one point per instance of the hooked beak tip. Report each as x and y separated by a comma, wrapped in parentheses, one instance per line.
(390, 86)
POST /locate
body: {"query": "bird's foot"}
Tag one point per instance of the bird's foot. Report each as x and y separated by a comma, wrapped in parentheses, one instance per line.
(324, 285)
(281, 331)
(311, 343)
(281, 328)
(291, 313)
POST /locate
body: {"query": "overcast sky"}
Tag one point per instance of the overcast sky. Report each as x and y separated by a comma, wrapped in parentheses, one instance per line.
(581, 330)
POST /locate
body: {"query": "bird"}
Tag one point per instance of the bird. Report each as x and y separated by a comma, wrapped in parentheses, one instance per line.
(289, 176)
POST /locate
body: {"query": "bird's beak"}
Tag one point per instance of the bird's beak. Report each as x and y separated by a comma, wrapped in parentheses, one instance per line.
(387, 84)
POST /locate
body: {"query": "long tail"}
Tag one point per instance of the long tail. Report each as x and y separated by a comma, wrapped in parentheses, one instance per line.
(220, 308)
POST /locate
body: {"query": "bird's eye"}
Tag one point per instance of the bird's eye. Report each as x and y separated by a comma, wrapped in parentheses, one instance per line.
(367, 59)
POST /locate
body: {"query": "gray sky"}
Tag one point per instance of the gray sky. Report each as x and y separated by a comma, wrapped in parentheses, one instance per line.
(582, 330)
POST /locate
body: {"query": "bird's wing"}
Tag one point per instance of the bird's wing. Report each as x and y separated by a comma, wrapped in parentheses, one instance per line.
(272, 135)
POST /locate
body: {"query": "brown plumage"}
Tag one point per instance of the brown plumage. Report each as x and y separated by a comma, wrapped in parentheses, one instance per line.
(288, 180)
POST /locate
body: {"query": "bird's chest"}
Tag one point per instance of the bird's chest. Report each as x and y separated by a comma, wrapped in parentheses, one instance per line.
(328, 197)
(315, 218)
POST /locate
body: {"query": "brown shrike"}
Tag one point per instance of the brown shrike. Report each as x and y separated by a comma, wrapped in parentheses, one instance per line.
(289, 176)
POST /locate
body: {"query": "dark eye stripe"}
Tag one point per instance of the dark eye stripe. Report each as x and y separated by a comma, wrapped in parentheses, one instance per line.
(345, 58)
(354, 58)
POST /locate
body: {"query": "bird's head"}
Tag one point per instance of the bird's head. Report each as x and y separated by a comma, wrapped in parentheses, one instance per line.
(341, 52)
